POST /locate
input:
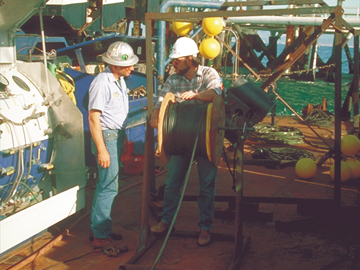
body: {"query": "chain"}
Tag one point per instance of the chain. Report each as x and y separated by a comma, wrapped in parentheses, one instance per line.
(258, 75)
(239, 58)
(299, 71)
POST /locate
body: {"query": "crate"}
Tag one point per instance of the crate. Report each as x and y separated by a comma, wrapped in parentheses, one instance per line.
(134, 164)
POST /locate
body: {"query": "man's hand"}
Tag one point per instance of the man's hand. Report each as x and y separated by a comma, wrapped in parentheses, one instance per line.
(104, 159)
(103, 155)
(188, 95)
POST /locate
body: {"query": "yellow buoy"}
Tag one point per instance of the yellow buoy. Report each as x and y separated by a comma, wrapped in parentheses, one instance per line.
(350, 145)
(182, 28)
(355, 167)
(305, 168)
(209, 48)
(200, 50)
(345, 171)
(212, 26)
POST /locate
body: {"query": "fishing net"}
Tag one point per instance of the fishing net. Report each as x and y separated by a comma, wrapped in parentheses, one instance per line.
(278, 153)
(318, 117)
(276, 135)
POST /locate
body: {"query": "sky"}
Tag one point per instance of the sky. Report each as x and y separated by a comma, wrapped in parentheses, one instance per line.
(327, 40)
(346, 3)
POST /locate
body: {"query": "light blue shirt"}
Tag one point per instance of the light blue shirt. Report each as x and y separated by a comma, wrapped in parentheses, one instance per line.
(109, 96)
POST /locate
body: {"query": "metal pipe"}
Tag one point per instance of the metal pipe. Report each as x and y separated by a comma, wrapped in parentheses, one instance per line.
(285, 20)
(162, 24)
(237, 51)
(239, 58)
(44, 49)
(337, 106)
(356, 83)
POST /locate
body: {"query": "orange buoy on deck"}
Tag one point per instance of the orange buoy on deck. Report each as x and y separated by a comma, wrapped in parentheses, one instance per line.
(350, 145)
(355, 167)
(345, 171)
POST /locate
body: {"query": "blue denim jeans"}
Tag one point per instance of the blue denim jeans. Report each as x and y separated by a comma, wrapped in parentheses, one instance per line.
(177, 168)
(108, 184)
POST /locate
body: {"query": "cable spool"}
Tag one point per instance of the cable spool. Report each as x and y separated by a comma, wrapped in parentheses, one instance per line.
(180, 123)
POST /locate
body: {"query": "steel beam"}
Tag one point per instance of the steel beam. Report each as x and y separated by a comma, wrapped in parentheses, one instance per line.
(183, 16)
(301, 49)
(356, 82)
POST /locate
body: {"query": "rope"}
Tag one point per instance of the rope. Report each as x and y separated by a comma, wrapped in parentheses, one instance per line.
(232, 172)
(68, 87)
(114, 252)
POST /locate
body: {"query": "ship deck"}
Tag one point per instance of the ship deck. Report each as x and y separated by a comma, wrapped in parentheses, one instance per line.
(282, 235)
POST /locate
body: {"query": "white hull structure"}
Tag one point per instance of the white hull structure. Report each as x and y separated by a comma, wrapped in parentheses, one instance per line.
(42, 160)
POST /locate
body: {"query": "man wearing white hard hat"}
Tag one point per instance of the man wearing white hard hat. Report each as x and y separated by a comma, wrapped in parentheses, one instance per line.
(197, 84)
(108, 113)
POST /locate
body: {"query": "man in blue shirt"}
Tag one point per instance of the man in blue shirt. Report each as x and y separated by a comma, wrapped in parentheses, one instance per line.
(108, 113)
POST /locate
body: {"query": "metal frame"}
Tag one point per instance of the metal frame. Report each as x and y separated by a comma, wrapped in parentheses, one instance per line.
(145, 238)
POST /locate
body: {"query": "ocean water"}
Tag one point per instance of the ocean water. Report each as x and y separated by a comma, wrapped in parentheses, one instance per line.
(298, 94)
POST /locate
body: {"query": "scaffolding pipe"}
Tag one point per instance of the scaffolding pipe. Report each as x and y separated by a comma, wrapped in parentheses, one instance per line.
(285, 20)
(44, 49)
(162, 25)
(237, 52)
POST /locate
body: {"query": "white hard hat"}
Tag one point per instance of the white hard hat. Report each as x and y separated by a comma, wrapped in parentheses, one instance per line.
(184, 46)
(120, 54)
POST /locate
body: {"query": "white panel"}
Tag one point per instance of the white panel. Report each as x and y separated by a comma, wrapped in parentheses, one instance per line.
(7, 55)
(17, 107)
(108, 2)
(65, 2)
(29, 222)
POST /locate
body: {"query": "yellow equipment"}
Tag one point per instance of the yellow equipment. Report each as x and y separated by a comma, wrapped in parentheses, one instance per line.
(212, 26)
(182, 28)
(209, 48)
(355, 167)
(345, 171)
(305, 168)
(350, 145)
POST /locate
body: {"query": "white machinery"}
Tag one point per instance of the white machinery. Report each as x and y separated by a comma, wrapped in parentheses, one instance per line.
(42, 162)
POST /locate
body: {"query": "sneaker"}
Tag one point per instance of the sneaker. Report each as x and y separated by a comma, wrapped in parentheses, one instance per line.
(204, 238)
(161, 228)
(113, 236)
